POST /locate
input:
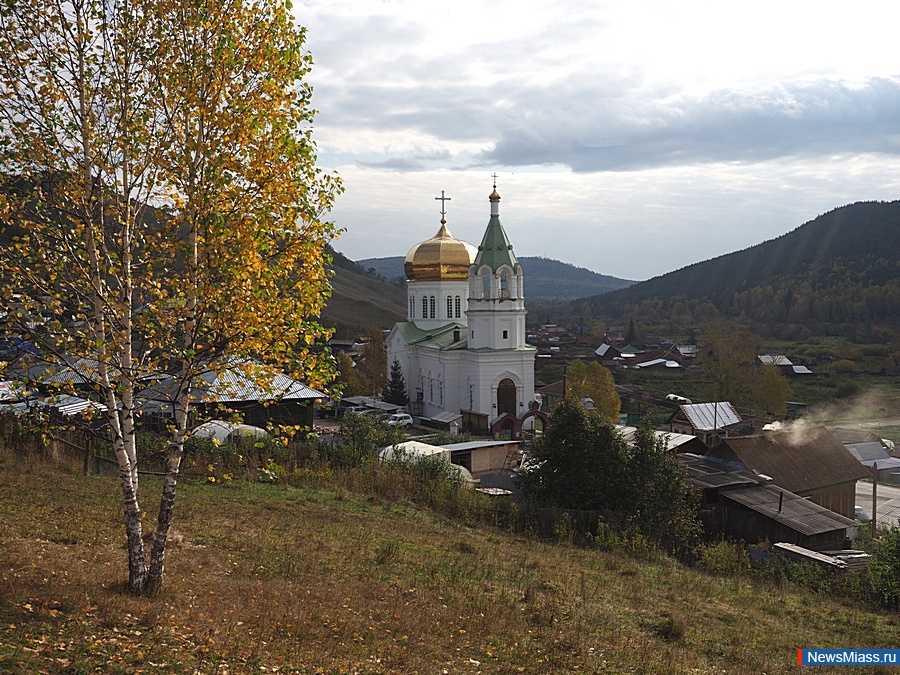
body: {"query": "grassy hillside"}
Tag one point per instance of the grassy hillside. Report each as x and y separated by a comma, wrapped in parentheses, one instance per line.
(545, 278)
(323, 576)
(834, 272)
(360, 299)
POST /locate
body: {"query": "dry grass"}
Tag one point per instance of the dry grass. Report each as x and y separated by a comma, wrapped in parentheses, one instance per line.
(272, 578)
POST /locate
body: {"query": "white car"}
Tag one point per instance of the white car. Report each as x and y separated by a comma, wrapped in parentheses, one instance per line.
(400, 420)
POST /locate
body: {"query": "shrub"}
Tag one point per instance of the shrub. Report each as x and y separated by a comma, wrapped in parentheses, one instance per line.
(847, 389)
(725, 557)
(884, 569)
(844, 366)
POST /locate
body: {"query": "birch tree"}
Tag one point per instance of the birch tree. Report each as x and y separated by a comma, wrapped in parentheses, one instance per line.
(162, 205)
(590, 379)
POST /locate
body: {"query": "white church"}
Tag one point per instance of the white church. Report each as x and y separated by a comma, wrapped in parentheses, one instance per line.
(462, 347)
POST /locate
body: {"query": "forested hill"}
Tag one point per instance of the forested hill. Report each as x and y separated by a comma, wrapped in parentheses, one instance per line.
(545, 278)
(841, 268)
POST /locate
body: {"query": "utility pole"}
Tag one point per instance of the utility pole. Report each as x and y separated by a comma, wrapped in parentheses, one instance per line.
(874, 498)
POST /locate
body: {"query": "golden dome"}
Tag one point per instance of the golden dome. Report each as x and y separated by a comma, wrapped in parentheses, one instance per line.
(441, 258)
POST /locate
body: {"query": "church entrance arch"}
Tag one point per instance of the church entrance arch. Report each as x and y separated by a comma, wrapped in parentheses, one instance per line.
(506, 397)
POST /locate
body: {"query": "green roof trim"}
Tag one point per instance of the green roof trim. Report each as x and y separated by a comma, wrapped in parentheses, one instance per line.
(495, 250)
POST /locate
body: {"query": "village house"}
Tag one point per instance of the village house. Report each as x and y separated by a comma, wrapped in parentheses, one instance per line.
(745, 506)
(708, 421)
(263, 398)
(784, 365)
(808, 461)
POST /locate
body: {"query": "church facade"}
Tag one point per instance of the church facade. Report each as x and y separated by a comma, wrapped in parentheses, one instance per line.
(462, 347)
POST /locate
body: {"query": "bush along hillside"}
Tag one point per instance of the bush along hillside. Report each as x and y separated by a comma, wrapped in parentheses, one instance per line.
(837, 274)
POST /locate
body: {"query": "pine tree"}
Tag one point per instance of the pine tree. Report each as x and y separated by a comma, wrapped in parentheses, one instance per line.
(396, 388)
(631, 335)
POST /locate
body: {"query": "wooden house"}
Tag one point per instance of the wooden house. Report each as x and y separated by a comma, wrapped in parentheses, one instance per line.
(741, 505)
(706, 420)
(808, 461)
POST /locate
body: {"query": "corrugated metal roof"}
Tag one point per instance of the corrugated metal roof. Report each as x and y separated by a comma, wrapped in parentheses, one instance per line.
(704, 473)
(672, 439)
(237, 382)
(889, 513)
(711, 416)
(13, 391)
(774, 360)
(64, 404)
(446, 417)
(799, 514)
(854, 435)
(374, 404)
(475, 445)
(798, 459)
(873, 450)
(882, 464)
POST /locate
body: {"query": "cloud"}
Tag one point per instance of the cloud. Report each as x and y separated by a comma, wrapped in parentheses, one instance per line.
(806, 119)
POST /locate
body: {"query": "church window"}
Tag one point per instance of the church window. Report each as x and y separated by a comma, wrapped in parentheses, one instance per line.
(424, 306)
(449, 307)
(458, 313)
(433, 307)
(504, 283)
(412, 307)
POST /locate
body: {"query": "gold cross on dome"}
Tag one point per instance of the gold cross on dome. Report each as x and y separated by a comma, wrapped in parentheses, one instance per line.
(443, 200)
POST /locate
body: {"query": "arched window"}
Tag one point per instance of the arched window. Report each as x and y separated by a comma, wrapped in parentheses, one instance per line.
(504, 283)
(424, 306)
(449, 306)
(458, 305)
(433, 308)
(412, 307)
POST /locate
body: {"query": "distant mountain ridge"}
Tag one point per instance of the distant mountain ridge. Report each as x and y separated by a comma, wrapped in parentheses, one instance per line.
(545, 279)
(841, 268)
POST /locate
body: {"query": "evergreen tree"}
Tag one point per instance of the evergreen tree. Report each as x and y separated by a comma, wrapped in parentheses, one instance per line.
(396, 387)
(631, 335)
(582, 462)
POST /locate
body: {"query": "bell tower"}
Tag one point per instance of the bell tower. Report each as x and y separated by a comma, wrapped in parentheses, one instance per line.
(496, 310)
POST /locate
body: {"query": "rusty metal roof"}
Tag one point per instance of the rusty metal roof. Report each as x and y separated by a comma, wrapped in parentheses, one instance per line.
(798, 459)
(797, 513)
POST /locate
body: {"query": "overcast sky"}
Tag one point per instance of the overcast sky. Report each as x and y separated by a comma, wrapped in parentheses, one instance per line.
(631, 137)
